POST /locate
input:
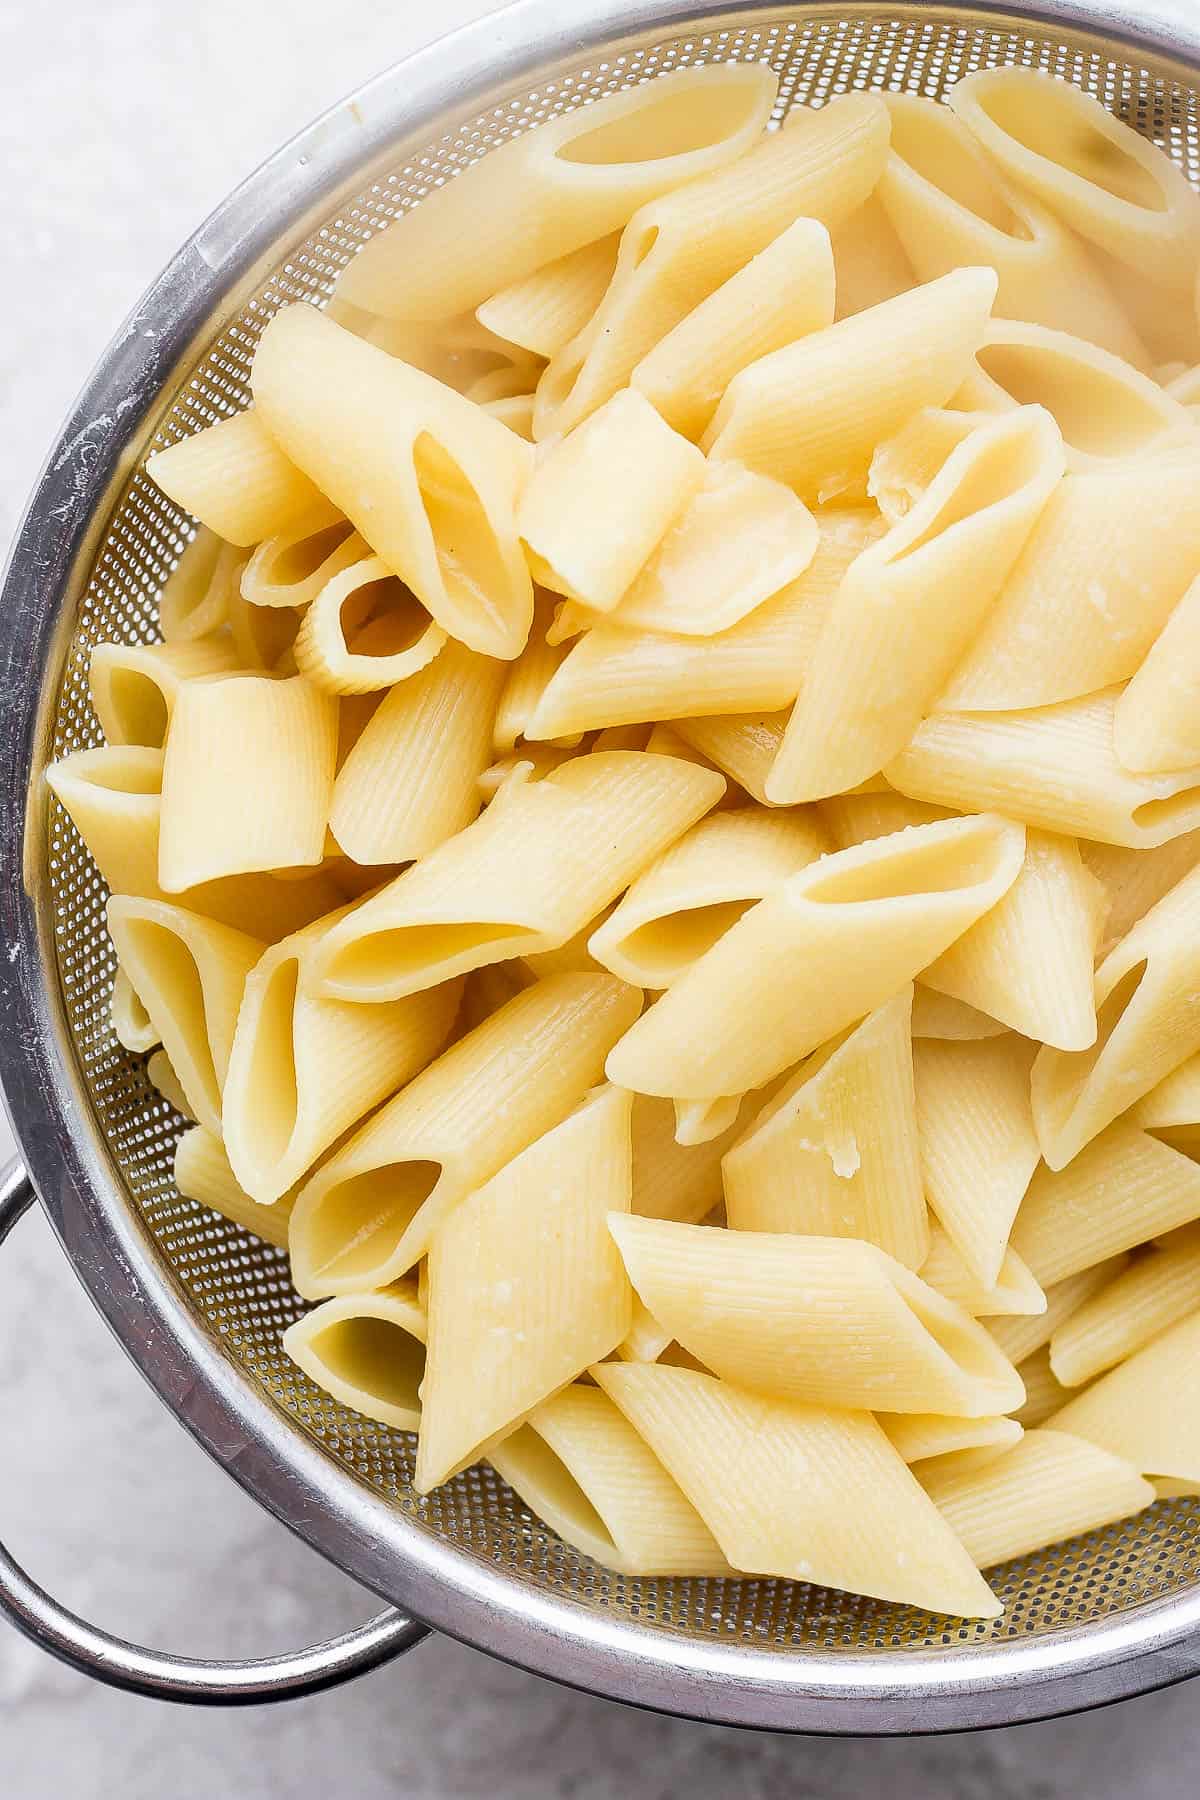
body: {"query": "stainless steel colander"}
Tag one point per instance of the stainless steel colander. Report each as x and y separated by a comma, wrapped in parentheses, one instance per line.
(199, 1304)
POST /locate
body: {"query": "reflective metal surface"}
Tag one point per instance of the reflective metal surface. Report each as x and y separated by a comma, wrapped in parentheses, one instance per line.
(199, 1304)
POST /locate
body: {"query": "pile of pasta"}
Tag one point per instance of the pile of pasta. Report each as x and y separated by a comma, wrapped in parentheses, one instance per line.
(660, 848)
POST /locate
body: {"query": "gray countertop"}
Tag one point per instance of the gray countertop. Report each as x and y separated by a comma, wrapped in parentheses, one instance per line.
(121, 124)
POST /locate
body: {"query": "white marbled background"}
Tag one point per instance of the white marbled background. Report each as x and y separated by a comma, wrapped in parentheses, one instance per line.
(121, 124)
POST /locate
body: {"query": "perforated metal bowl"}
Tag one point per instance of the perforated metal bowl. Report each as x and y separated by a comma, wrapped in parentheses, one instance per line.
(199, 1304)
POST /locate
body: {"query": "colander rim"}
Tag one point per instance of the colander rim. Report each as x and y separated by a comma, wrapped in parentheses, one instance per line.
(850, 1691)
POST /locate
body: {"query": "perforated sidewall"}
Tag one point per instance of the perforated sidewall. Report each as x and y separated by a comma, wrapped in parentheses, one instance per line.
(238, 1286)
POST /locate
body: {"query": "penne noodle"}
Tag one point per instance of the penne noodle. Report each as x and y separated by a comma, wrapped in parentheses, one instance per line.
(526, 679)
(551, 191)
(856, 818)
(1044, 1393)
(365, 631)
(1030, 961)
(869, 260)
(911, 604)
(1014, 1292)
(645, 1341)
(938, 1016)
(427, 478)
(1155, 1292)
(411, 781)
(194, 601)
(903, 467)
(367, 1351)
(132, 1025)
(303, 1070)
(236, 480)
(581, 1466)
(162, 1077)
(1146, 1026)
(781, 294)
(286, 732)
(1049, 1486)
(830, 1321)
(811, 414)
(761, 999)
(1122, 1189)
(546, 857)
(369, 1213)
(917, 1436)
(951, 208)
(835, 1153)
(1054, 767)
(542, 311)
(672, 1180)
(1113, 552)
(1108, 183)
(979, 1148)
(623, 462)
(679, 250)
(264, 637)
(292, 567)
(202, 1173)
(133, 686)
(704, 1121)
(190, 973)
(700, 580)
(537, 1228)
(822, 1496)
(1142, 1409)
(698, 888)
(1154, 726)
(615, 677)
(744, 748)
(1135, 880)
(1021, 1335)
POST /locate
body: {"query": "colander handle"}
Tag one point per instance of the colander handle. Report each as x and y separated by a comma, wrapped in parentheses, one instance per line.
(153, 1672)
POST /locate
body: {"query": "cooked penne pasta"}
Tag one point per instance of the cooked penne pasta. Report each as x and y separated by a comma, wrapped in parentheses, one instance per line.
(537, 1228)
(236, 480)
(1135, 880)
(291, 568)
(1013, 1292)
(427, 478)
(679, 250)
(264, 637)
(1154, 726)
(856, 818)
(615, 677)
(822, 1495)
(672, 1180)
(911, 604)
(698, 888)
(1050, 1486)
(1114, 550)
(369, 1213)
(1044, 1393)
(1103, 179)
(835, 1152)
(133, 686)
(195, 598)
(581, 1466)
(830, 1321)
(162, 1077)
(543, 310)
(623, 462)
(917, 1436)
(286, 732)
(1135, 1410)
(1122, 1189)
(938, 1016)
(411, 781)
(742, 747)
(190, 973)
(645, 1341)
(202, 1173)
(302, 1069)
(761, 999)
(1030, 961)
(544, 858)
(132, 1025)
(1146, 1025)
(367, 1351)
(1155, 1292)
(1020, 1335)
(1054, 767)
(548, 192)
(868, 260)
(365, 631)
(1103, 406)
(903, 467)
(979, 1148)
(811, 414)
(951, 208)
(526, 679)
(781, 294)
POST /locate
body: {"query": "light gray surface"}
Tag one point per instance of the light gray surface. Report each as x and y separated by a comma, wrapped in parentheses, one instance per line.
(120, 125)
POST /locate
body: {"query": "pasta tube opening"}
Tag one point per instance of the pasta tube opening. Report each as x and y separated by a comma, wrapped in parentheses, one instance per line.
(372, 964)
(1065, 135)
(366, 1359)
(472, 560)
(928, 864)
(664, 947)
(668, 124)
(527, 1463)
(357, 1222)
(1103, 406)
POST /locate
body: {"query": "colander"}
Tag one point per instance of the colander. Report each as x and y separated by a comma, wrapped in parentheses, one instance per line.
(198, 1303)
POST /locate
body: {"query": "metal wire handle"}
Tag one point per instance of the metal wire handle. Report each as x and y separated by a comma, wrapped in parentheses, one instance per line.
(154, 1673)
